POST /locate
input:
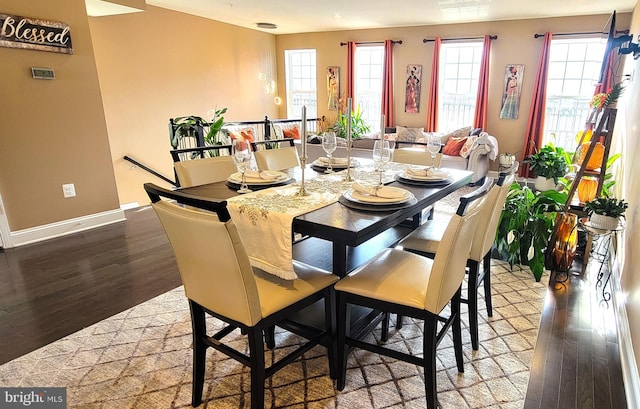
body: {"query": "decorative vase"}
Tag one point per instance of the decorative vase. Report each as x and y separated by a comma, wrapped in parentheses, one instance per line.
(542, 184)
(506, 159)
(600, 221)
(587, 189)
(595, 161)
(566, 241)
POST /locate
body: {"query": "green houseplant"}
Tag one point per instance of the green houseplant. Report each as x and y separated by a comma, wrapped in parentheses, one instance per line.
(525, 226)
(358, 125)
(605, 212)
(189, 126)
(549, 162)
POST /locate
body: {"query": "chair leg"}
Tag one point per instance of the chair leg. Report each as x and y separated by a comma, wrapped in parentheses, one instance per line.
(384, 337)
(398, 321)
(342, 330)
(256, 358)
(199, 352)
(487, 283)
(429, 348)
(270, 337)
(472, 300)
(330, 324)
(457, 330)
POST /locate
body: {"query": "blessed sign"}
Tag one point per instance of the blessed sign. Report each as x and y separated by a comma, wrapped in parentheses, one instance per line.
(34, 34)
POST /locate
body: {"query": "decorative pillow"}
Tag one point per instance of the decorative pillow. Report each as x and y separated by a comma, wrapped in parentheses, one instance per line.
(291, 133)
(391, 136)
(475, 131)
(458, 133)
(453, 146)
(468, 145)
(244, 134)
(408, 134)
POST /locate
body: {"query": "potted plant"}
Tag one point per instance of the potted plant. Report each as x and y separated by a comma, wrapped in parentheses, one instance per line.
(506, 159)
(525, 226)
(358, 125)
(549, 163)
(605, 212)
(205, 132)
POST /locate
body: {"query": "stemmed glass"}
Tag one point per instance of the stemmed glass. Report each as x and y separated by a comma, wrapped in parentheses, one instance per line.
(329, 145)
(433, 146)
(241, 152)
(381, 156)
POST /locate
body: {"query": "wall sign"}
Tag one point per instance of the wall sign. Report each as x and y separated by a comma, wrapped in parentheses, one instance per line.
(34, 34)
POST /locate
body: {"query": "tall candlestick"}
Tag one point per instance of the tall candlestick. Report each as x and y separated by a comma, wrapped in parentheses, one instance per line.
(347, 176)
(382, 127)
(304, 131)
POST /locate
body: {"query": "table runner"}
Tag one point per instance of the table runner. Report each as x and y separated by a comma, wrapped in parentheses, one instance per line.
(265, 218)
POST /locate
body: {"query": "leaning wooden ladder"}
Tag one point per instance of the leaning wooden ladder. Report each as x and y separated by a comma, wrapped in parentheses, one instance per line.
(604, 122)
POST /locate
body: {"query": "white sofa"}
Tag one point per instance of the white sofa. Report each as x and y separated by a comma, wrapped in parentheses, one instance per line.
(483, 150)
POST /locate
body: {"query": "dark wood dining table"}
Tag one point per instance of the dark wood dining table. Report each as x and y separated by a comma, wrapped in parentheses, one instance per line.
(345, 230)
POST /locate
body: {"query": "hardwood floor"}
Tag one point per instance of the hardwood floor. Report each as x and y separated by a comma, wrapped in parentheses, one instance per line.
(51, 289)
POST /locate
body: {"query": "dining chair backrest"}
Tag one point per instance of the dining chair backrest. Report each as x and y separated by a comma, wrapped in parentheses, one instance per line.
(222, 280)
(277, 159)
(414, 156)
(201, 171)
(272, 144)
(486, 231)
(450, 261)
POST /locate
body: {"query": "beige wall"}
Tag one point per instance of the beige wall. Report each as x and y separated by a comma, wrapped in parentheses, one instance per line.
(515, 45)
(631, 149)
(53, 132)
(160, 64)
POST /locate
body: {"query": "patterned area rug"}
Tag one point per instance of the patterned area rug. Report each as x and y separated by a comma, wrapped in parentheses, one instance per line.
(141, 358)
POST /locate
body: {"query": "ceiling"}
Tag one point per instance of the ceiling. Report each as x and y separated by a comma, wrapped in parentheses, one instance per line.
(300, 16)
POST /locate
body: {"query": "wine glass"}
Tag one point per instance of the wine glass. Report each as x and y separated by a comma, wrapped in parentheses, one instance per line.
(381, 156)
(329, 145)
(433, 146)
(241, 152)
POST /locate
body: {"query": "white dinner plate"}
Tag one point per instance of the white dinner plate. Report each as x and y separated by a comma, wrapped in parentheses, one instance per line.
(358, 197)
(435, 178)
(278, 177)
(342, 165)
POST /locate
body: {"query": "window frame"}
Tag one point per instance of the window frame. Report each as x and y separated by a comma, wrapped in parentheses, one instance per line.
(310, 69)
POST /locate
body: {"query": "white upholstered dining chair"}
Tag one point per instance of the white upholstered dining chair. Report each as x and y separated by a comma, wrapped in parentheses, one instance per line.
(224, 285)
(427, 239)
(201, 171)
(276, 154)
(396, 281)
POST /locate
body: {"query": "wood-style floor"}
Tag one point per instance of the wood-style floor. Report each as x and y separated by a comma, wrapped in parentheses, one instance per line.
(51, 289)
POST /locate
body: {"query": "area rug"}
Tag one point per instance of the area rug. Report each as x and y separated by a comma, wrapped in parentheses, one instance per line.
(141, 358)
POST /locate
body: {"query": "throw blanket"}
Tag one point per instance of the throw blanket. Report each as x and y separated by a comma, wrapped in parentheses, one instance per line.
(485, 138)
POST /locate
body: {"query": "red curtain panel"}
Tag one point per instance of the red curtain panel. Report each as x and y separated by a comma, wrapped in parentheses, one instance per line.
(351, 49)
(480, 116)
(387, 84)
(432, 104)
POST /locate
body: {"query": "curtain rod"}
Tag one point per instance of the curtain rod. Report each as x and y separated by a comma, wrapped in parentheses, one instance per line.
(372, 42)
(427, 40)
(582, 33)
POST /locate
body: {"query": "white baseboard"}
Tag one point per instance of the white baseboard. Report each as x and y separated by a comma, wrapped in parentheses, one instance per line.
(625, 346)
(62, 228)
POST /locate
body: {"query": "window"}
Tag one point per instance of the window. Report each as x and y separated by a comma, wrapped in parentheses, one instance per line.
(300, 69)
(459, 73)
(574, 67)
(368, 83)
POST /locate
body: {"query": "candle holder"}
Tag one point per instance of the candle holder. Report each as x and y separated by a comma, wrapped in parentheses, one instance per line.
(302, 191)
(347, 176)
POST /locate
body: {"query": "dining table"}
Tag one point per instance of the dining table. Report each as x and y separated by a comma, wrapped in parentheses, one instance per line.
(338, 236)
(338, 233)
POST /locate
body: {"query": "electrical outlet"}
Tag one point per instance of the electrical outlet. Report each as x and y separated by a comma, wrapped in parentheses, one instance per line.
(69, 190)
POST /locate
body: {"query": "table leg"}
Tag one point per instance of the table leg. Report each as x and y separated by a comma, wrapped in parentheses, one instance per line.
(339, 259)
